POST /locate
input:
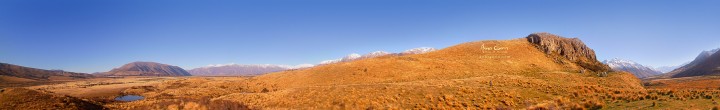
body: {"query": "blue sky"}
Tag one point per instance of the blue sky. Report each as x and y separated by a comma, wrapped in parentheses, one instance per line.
(98, 35)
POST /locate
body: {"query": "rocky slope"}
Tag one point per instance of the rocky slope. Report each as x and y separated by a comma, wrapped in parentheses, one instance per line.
(147, 69)
(569, 48)
(242, 70)
(707, 63)
(38, 74)
(636, 69)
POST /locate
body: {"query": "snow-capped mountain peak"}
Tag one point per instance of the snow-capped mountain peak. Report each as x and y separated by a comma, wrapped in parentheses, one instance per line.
(616, 62)
(633, 67)
(710, 52)
(374, 54)
(418, 50)
(260, 65)
(377, 53)
(218, 65)
(301, 66)
(665, 69)
(351, 57)
(233, 69)
(329, 61)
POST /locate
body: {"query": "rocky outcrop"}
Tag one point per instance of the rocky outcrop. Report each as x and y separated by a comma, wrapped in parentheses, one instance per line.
(147, 69)
(571, 49)
(36, 74)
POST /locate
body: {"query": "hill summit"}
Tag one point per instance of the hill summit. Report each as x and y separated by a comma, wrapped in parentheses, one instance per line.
(147, 69)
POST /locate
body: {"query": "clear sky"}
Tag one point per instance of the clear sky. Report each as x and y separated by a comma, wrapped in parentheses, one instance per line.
(98, 35)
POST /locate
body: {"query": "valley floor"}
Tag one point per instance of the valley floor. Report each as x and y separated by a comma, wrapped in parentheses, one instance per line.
(511, 91)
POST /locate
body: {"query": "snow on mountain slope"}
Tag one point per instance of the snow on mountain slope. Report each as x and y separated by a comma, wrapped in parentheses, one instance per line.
(418, 50)
(375, 54)
(704, 64)
(355, 56)
(710, 52)
(636, 69)
(233, 69)
(665, 69)
(702, 57)
(351, 57)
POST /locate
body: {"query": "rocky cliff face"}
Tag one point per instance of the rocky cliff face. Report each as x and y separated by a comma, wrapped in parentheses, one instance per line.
(147, 69)
(569, 48)
(36, 74)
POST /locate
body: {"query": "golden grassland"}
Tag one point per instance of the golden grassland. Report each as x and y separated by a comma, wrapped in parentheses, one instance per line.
(99, 88)
(456, 77)
(532, 90)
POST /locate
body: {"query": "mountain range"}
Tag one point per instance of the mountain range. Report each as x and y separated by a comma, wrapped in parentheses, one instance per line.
(242, 69)
(159, 69)
(706, 63)
(14, 72)
(259, 69)
(666, 69)
(635, 68)
(355, 56)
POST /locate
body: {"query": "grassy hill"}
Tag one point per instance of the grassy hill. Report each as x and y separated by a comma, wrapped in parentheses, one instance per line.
(513, 73)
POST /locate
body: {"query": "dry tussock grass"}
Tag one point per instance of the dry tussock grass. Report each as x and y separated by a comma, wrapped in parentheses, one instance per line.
(461, 76)
(25, 99)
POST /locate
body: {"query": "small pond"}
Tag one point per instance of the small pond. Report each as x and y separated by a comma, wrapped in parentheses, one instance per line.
(129, 98)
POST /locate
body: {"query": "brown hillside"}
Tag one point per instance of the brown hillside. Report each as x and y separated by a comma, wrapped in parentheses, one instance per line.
(25, 99)
(147, 69)
(10, 71)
